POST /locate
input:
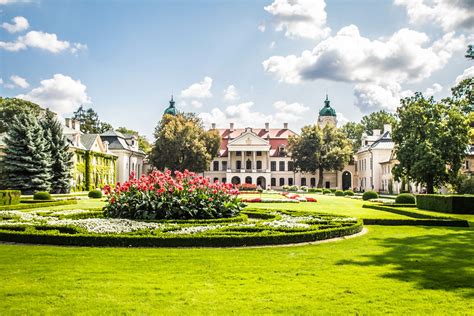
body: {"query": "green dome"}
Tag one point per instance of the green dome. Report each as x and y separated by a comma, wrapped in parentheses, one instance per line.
(171, 110)
(327, 110)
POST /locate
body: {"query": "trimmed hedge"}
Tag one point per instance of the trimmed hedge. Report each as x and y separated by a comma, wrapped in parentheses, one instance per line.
(389, 204)
(80, 239)
(43, 196)
(416, 222)
(457, 204)
(95, 194)
(369, 195)
(10, 197)
(36, 205)
(405, 198)
(349, 193)
(327, 191)
(339, 193)
(399, 212)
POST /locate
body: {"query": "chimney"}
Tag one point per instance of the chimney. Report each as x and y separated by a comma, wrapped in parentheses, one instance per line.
(106, 145)
(231, 127)
(213, 126)
(76, 125)
(387, 128)
(267, 127)
(376, 132)
(68, 122)
(285, 125)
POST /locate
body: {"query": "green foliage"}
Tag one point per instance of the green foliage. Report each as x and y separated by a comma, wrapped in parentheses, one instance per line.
(319, 149)
(42, 195)
(339, 193)
(430, 136)
(349, 193)
(183, 143)
(395, 210)
(416, 222)
(26, 164)
(458, 204)
(9, 107)
(326, 191)
(61, 157)
(293, 188)
(369, 195)
(143, 142)
(22, 206)
(466, 185)
(405, 198)
(95, 194)
(9, 197)
(90, 122)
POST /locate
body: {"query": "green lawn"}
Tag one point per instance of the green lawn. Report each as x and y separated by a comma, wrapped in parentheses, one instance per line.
(401, 270)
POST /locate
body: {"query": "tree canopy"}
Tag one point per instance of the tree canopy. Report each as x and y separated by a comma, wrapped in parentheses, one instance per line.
(90, 122)
(320, 150)
(9, 107)
(183, 143)
(431, 140)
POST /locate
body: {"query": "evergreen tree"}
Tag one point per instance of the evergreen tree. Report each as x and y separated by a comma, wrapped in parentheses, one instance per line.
(26, 162)
(61, 157)
(90, 122)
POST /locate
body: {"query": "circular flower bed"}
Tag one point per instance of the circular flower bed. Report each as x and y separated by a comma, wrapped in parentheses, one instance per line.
(251, 227)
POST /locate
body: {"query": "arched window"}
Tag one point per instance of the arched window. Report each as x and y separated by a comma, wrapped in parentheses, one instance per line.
(281, 151)
(248, 180)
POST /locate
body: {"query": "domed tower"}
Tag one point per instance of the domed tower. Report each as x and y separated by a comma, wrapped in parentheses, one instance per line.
(327, 115)
(171, 110)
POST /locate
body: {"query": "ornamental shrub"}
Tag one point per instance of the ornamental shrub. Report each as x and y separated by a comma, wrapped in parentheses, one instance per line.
(42, 195)
(95, 194)
(349, 193)
(293, 188)
(9, 197)
(318, 190)
(184, 195)
(339, 193)
(405, 198)
(286, 187)
(369, 195)
(304, 188)
(327, 191)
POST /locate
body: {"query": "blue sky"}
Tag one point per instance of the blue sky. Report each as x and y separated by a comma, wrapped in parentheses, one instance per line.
(124, 58)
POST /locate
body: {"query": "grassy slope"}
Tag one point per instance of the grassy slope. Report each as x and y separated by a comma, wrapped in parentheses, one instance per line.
(403, 270)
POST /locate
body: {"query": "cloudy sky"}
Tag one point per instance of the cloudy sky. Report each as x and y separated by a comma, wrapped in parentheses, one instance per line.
(241, 61)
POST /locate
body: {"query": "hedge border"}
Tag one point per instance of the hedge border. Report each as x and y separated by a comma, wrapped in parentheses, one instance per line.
(416, 222)
(9, 197)
(448, 203)
(401, 212)
(95, 240)
(36, 205)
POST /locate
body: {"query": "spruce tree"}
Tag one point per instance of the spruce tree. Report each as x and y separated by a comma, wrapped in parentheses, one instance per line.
(26, 162)
(61, 157)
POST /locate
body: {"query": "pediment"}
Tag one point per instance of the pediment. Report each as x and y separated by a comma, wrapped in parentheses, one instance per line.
(248, 138)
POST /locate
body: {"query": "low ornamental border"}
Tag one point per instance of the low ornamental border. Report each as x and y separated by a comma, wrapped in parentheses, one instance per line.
(36, 205)
(97, 240)
(394, 210)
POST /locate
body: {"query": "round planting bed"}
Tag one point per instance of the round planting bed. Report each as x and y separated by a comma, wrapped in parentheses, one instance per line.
(253, 227)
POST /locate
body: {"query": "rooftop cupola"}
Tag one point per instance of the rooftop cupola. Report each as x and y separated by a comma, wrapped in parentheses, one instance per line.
(171, 109)
(327, 110)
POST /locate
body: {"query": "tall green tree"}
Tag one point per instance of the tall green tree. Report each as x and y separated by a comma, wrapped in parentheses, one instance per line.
(9, 107)
(143, 142)
(320, 150)
(431, 141)
(353, 131)
(90, 122)
(61, 157)
(26, 164)
(183, 143)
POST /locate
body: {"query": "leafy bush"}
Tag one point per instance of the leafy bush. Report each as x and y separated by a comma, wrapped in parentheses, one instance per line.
(466, 186)
(293, 188)
(369, 195)
(405, 198)
(304, 188)
(161, 196)
(95, 194)
(333, 190)
(42, 195)
(339, 193)
(349, 193)
(318, 190)
(458, 204)
(326, 191)
(9, 197)
(286, 187)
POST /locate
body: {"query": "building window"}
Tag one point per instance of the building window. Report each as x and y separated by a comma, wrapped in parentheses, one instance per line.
(224, 180)
(215, 179)
(291, 165)
(248, 164)
(313, 182)
(282, 166)
(224, 165)
(259, 164)
(467, 164)
(281, 151)
(273, 182)
(238, 164)
(259, 153)
(248, 153)
(273, 166)
(248, 180)
(290, 181)
(282, 182)
(303, 181)
(215, 166)
(238, 153)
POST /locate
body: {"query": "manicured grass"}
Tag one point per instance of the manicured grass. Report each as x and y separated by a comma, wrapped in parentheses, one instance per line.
(81, 204)
(400, 270)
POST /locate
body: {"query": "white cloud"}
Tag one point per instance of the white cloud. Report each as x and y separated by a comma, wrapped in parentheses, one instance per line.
(2, 2)
(19, 81)
(434, 89)
(467, 73)
(19, 24)
(261, 27)
(370, 97)
(272, 45)
(196, 104)
(199, 90)
(41, 40)
(231, 93)
(341, 119)
(1, 81)
(244, 115)
(451, 15)
(300, 18)
(61, 94)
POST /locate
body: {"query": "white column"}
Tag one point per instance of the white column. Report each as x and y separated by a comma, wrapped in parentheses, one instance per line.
(254, 162)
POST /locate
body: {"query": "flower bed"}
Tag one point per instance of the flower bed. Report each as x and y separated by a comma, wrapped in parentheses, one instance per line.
(252, 227)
